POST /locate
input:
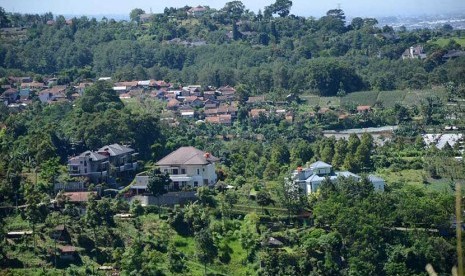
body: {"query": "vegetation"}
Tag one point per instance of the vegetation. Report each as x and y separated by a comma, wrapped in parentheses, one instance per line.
(252, 222)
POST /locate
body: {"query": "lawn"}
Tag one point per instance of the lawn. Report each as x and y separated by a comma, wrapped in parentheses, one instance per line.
(444, 41)
(415, 178)
(360, 98)
(390, 98)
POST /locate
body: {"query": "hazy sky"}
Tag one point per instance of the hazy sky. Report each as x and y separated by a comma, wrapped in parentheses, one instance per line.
(300, 7)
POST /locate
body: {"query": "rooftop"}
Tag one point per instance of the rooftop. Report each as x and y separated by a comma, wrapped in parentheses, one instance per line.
(187, 156)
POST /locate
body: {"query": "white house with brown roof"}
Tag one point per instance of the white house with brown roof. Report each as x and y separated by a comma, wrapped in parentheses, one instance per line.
(188, 166)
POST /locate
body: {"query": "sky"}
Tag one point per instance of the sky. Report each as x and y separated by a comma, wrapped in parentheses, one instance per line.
(352, 8)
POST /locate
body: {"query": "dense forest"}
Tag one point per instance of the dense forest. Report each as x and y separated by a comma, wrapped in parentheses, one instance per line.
(250, 222)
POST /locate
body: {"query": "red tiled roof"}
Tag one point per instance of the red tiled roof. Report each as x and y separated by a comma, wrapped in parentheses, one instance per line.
(78, 196)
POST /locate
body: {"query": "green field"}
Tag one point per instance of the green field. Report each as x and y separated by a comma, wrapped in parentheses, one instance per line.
(387, 98)
(444, 41)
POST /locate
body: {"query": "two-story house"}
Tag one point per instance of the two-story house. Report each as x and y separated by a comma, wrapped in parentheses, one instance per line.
(96, 165)
(121, 157)
(91, 165)
(309, 179)
(188, 166)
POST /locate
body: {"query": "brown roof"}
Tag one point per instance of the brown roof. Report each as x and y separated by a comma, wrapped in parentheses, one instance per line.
(256, 112)
(363, 108)
(258, 99)
(127, 83)
(67, 249)
(78, 196)
(187, 156)
(212, 111)
(213, 120)
(173, 103)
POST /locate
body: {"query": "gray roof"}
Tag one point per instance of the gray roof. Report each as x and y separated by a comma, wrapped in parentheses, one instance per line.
(93, 155)
(187, 156)
(116, 149)
(347, 174)
(374, 178)
(320, 165)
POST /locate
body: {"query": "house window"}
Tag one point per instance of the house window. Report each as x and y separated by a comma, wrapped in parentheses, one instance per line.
(85, 163)
(198, 171)
(183, 171)
(203, 169)
(205, 182)
(85, 170)
(175, 171)
(196, 183)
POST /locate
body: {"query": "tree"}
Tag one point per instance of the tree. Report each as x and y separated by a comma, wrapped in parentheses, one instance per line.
(4, 21)
(99, 97)
(234, 10)
(206, 250)
(248, 233)
(176, 260)
(264, 198)
(280, 7)
(135, 14)
(158, 183)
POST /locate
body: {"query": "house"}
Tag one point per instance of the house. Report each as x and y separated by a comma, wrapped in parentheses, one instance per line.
(363, 109)
(452, 54)
(224, 119)
(11, 95)
(255, 113)
(209, 95)
(256, 100)
(91, 165)
(60, 232)
(173, 104)
(187, 113)
(67, 252)
(197, 11)
(145, 18)
(53, 94)
(121, 157)
(32, 85)
(81, 87)
(188, 166)
(309, 179)
(193, 101)
(414, 52)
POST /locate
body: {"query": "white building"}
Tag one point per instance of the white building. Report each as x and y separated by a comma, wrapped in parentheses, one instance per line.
(309, 179)
(188, 166)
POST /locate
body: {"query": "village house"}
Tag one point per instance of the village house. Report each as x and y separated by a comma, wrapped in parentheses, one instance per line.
(193, 101)
(188, 166)
(53, 94)
(363, 109)
(309, 179)
(10, 95)
(81, 87)
(256, 100)
(197, 11)
(90, 165)
(255, 113)
(95, 166)
(32, 85)
(414, 52)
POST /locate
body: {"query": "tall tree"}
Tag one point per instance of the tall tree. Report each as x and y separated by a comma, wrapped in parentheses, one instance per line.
(206, 249)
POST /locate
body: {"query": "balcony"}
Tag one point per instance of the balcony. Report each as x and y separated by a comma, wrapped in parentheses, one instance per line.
(128, 167)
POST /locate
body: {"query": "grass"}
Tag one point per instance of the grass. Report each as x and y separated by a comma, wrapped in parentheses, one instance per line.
(444, 41)
(390, 98)
(387, 98)
(360, 98)
(415, 178)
